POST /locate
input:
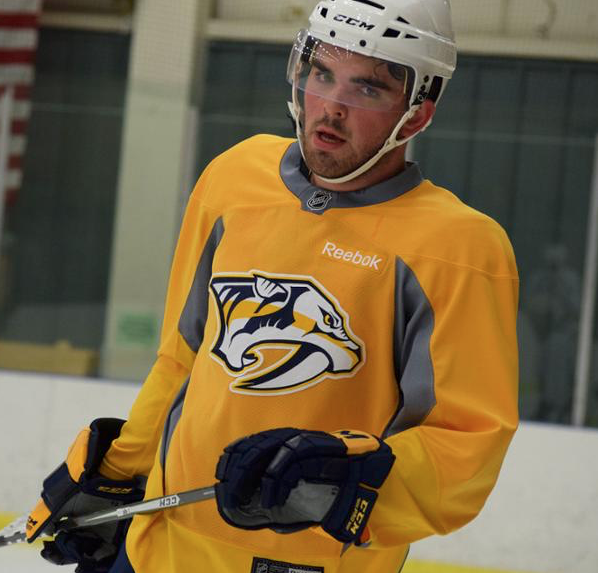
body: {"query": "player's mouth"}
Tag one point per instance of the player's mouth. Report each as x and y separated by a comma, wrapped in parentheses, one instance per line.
(327, 140)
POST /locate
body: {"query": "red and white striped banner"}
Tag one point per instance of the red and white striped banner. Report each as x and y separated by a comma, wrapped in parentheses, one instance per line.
(18, 43)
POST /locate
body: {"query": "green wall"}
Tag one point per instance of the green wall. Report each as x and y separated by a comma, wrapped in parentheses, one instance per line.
(512, 137)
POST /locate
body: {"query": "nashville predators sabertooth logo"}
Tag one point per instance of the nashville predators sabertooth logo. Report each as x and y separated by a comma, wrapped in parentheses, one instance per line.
(281, 334)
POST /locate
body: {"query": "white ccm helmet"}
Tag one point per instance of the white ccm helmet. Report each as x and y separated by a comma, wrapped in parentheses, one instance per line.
(416, 34)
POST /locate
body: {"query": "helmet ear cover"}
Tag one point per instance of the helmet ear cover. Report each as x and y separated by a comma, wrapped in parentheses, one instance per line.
(435, 89)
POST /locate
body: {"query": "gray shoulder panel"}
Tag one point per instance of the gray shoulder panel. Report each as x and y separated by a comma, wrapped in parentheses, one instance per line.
(414, 325)
(171, 422)
(194, 315)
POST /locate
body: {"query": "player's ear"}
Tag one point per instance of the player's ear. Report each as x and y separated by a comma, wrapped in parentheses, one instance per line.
(420, 119)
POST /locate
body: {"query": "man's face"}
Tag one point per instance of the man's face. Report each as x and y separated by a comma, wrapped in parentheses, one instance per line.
(351, 107)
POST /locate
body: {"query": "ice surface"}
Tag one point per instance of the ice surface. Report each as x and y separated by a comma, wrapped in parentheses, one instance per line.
(26, 559)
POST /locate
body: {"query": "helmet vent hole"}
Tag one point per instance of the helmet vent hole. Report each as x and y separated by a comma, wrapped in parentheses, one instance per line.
(401, 19)
(324, 12)
(390, 33)
(332, 33)
(411, 37)
(362, 43)
(372, 4)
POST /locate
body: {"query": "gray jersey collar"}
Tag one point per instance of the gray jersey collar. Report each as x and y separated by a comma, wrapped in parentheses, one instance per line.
(318, 200)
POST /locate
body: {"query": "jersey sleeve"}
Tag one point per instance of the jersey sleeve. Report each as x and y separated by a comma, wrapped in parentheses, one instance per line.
(457, 369)
(134, 451)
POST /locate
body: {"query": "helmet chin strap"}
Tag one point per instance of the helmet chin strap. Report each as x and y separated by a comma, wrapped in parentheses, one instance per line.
(391, 143)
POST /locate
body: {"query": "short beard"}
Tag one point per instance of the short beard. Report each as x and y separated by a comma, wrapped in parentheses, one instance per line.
(323, 163)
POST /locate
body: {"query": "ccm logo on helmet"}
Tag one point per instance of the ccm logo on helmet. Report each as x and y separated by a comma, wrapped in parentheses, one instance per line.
(354, 22)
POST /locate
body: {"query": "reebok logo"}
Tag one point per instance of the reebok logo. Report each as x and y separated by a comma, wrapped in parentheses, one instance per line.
(355, 257)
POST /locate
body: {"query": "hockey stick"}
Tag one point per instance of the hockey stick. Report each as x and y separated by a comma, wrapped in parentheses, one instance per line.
(308, 501)
(15, 532)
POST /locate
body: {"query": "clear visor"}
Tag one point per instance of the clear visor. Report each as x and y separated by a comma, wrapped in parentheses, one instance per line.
(330, 72)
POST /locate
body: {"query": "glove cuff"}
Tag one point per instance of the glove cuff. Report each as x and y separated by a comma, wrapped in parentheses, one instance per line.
(78, 474)
(347, 524)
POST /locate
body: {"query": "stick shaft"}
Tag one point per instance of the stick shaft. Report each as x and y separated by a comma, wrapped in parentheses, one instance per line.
(15, 531)
(140, 507)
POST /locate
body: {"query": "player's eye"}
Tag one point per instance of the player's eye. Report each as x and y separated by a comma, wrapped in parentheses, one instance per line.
(369, 91)
(323, 77)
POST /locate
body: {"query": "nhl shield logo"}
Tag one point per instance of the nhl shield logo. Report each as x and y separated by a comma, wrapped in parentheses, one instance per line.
(281, 334)
(319, 200)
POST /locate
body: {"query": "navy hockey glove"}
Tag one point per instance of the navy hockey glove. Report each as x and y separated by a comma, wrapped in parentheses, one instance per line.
(289, 479)
(75, 488)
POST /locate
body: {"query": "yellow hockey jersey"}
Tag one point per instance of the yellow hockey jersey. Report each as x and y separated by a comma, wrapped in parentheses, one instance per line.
(390, 310)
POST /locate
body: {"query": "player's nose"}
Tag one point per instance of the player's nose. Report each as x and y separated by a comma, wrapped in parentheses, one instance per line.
(334, 108)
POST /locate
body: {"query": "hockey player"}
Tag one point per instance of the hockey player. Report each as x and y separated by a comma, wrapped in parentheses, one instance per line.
(338, 348)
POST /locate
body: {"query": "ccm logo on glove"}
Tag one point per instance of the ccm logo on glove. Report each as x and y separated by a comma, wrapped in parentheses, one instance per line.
(359, 514)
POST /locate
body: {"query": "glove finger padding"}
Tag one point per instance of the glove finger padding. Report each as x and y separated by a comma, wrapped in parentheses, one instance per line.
(342, 470)
(239, 471)
(75, 488)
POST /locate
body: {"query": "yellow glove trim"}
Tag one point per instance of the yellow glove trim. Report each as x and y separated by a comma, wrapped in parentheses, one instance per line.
(77, 454)
(37, 519)
(357, 442)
